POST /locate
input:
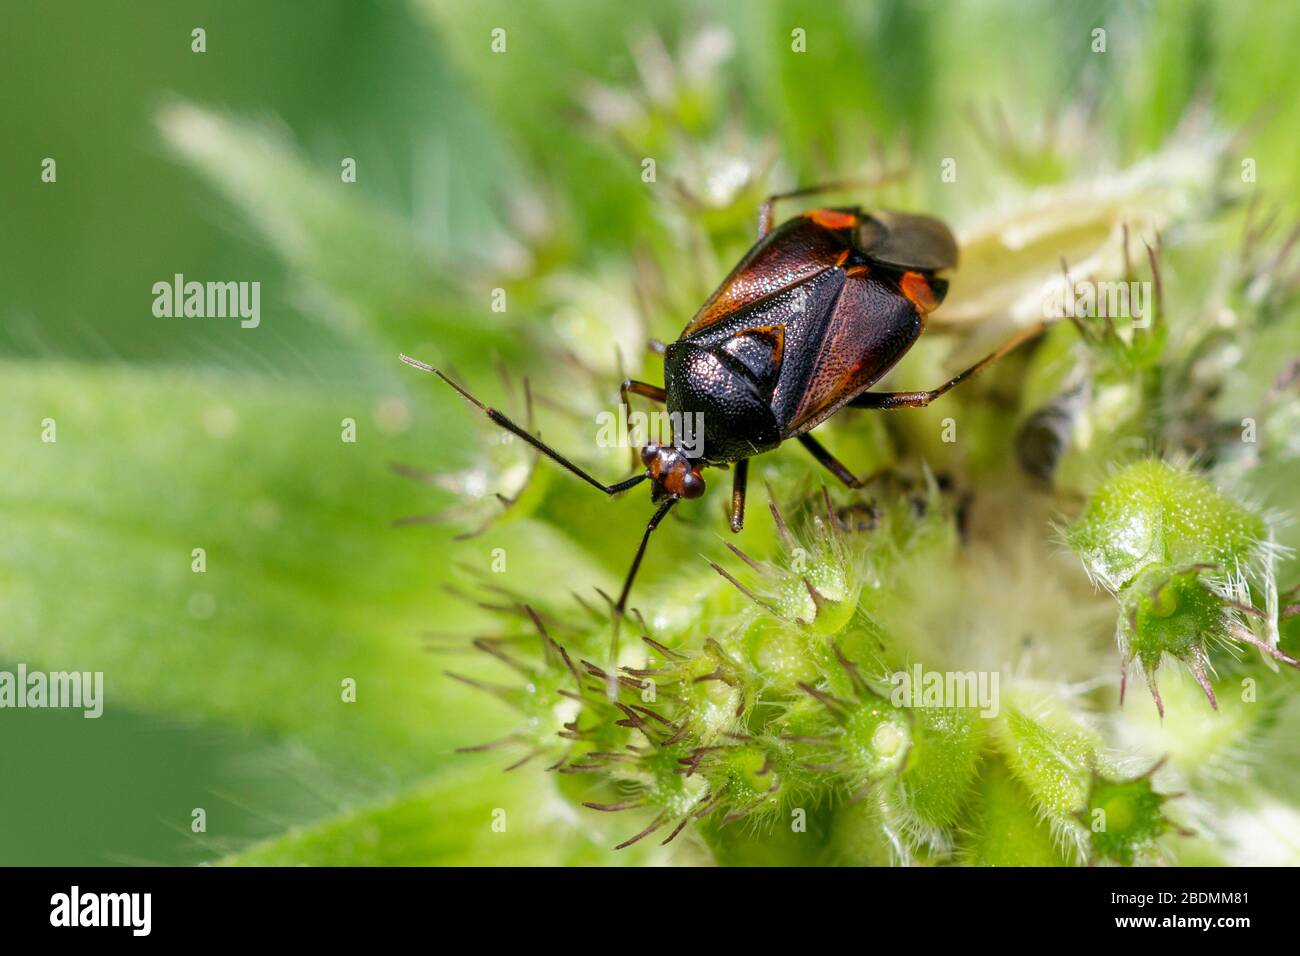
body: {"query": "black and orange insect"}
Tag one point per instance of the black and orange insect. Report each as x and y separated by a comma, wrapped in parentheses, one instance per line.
(817, 311)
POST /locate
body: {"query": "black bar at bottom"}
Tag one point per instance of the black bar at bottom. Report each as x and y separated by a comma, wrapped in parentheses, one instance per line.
(332, 906)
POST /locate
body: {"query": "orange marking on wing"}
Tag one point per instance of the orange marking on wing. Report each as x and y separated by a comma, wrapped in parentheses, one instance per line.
(860, 269)
(774, 334)
(917, 289)
(833, 218)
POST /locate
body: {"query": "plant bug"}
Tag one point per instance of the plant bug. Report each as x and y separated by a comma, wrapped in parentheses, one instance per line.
(818, 310)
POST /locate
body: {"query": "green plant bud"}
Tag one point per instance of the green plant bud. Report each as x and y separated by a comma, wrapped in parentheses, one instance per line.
(704, 691)
(746, 776)
(1124, 818)
(538, 696)
(877, 738)
(804, 718)
(815, 582)
(668, 789)
(1152, 513)
(780, 653)
(1158, 538)
(946, 745)
(1169, 612)
(1049, 755)
(824, 598)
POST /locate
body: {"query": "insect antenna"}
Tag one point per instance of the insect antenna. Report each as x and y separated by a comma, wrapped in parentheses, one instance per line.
(620, 606)
(504, 422)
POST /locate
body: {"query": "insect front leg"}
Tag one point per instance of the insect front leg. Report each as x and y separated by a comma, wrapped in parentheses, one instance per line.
(739, 483)
(645, 390)
(887, 400)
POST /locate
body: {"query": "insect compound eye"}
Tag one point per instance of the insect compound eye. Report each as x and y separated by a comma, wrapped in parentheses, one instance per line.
(692, 485)
(648, 454)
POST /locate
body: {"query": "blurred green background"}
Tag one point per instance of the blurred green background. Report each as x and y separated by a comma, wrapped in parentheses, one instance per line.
(176, 434)
(83, 83)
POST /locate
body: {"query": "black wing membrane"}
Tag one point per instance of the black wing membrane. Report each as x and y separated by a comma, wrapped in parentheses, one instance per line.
(907, 241)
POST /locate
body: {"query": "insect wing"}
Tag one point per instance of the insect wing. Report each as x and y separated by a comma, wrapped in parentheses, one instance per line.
(869, 329)
(907, 241)
(794, 252)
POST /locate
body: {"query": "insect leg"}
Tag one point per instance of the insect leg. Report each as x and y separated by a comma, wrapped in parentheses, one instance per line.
(765, 211)
(829, 461)
(921, 399)
(739, 482)
(537, 443)
(645, 390)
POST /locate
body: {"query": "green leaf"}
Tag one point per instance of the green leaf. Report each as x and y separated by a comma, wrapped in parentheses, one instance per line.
(306, 582)
(381, 281)
(470, 817)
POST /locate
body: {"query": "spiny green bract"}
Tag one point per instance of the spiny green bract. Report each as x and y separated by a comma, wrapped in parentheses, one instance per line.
(781, 738)
(1184, 560)
(1153, 514)
(784, 739)
(1125, 818)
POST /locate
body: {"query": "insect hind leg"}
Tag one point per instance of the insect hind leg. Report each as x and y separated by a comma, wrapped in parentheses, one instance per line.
(888, 400)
